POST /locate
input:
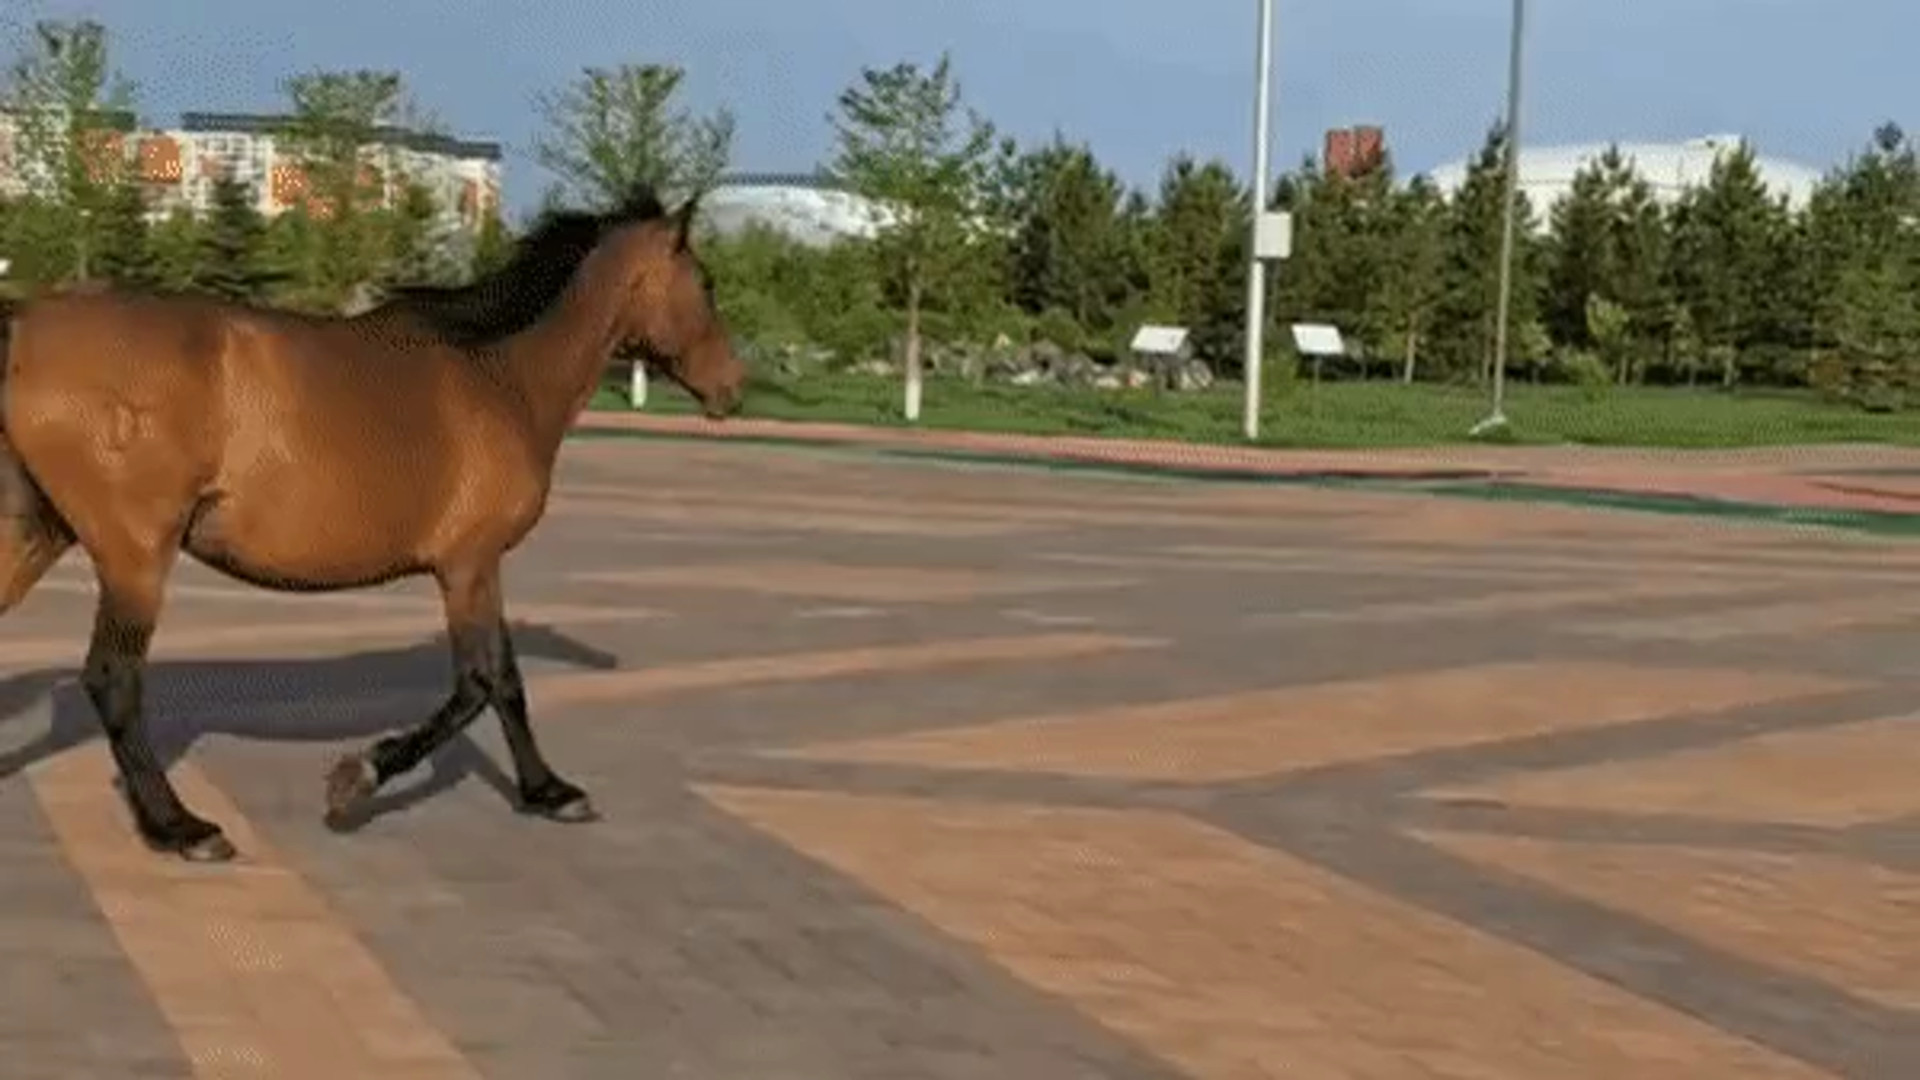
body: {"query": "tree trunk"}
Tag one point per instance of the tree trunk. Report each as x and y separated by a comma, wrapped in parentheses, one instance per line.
(1413, 349)
(912, 406)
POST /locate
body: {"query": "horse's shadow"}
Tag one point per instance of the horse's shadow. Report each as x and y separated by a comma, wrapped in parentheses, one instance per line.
(188, 699)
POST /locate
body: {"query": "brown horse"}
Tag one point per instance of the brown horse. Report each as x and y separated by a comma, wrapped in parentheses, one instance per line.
(305, 453)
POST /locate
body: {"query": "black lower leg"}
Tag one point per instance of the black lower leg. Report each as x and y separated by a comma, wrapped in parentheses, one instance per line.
(542, 790)
(113, 678)
(485, 671)
(356, 777)
(398, 754)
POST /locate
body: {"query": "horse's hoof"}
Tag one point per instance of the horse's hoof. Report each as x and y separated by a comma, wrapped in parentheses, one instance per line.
(559, 801)
(211, 849)
(350, 783)
(573, 812)
(192, 840)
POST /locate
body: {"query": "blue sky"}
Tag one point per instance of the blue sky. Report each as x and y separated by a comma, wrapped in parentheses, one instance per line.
(1139, 79)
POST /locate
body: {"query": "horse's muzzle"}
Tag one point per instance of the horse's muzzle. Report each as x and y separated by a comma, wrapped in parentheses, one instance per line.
(723, 403)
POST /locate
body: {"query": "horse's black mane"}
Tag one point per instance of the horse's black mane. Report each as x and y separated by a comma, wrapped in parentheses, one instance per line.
(514, 296)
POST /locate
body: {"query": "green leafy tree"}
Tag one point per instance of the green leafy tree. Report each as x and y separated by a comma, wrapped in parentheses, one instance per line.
(780, 292)
(905, 141)
(613, 127)
(1411, 254)
(340, 131)
(70, 112)
(753, 272)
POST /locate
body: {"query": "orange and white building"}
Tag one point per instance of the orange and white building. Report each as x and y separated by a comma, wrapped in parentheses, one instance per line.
(176, 167)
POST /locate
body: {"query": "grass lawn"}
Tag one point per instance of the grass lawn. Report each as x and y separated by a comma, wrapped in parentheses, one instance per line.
(1347, 414)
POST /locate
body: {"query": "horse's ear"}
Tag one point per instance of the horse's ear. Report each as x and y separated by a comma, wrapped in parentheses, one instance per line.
(683, 221)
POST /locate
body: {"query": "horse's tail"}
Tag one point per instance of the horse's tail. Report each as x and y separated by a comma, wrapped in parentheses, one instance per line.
(33, 535)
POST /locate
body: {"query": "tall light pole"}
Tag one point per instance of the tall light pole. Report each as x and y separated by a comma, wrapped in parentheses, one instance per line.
(1256, 265)
(1497, 417)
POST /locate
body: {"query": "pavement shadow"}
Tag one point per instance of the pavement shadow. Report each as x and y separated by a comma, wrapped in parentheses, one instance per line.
(187, 699)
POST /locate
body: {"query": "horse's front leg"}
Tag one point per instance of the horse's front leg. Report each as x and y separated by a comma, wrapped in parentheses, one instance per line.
(485, 672)
(472, 601)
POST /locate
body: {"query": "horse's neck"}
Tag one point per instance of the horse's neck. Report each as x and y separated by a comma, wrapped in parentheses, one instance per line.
(557, 360)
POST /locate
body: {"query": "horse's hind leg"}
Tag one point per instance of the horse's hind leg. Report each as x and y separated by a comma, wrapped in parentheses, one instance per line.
(129, 608)
(28, 549)
(33, 535)
(542, 791)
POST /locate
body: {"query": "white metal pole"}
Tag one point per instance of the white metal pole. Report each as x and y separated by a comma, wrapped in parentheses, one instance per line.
(1498, 416)
(1256, 269)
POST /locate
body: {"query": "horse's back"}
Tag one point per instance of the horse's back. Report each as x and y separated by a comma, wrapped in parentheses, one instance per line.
(99, 351)
(88, 334)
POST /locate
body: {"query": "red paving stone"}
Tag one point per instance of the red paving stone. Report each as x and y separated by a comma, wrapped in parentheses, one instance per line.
(926, 837)
(1781, 476)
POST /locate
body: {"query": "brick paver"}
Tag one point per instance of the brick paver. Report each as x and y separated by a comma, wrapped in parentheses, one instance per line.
(1801, 476)
(926, 771)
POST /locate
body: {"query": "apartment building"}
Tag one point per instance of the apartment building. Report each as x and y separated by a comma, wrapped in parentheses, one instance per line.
(177, 167)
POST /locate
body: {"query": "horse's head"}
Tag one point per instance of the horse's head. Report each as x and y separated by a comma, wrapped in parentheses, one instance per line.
(668, 313)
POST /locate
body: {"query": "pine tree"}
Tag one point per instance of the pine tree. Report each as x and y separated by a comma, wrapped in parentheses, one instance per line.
(492, 244)
(1723, 266)
(175, 245)
(1066, 211)
(1864, 228)
(417, 244)
(1607, 245)
(123, 255)
(1465, 315)
(232, 245)
(1197, 258)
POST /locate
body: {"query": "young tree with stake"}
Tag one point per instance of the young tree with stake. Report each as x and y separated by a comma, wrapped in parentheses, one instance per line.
(904, 143)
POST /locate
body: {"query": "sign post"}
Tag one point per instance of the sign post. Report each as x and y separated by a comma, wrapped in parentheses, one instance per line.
(1317, 341)
(1272, 232)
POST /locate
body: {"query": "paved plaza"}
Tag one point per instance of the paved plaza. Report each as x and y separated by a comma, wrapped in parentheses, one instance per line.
(913, 770)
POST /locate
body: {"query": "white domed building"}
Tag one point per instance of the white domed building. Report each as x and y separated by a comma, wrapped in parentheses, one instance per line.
(1547, 172)
(809, 208)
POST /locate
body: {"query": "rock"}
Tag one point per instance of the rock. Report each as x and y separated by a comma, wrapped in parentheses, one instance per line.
(1075, 369)
(1006, 366)
(1193, 375)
